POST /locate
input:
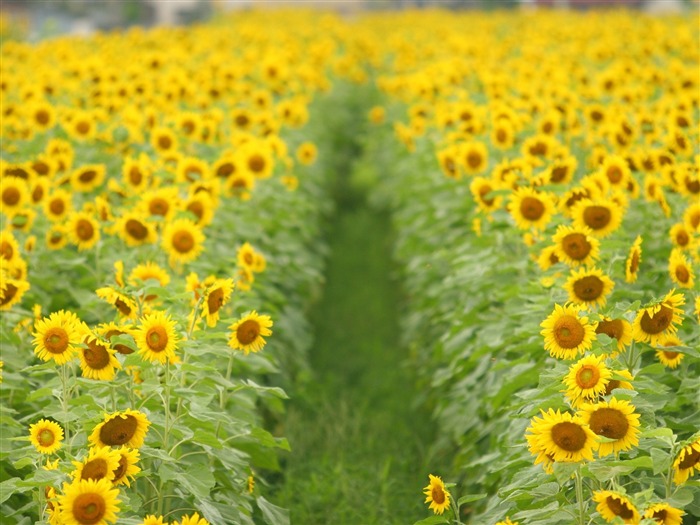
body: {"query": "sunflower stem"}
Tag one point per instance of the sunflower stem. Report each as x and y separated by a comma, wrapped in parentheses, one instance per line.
(579, 496)
(166, 430)
(65, 395)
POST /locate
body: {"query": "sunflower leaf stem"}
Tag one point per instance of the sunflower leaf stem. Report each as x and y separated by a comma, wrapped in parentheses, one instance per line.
(579, 496)
(166, 429)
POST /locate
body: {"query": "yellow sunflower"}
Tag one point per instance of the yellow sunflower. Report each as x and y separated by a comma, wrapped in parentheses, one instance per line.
(623, 383)
(9, 247)
(46, 436)
(152, 519)
(215, 297)
(475, 157)
(192, 169)
(575, 246)
(58, 205)
(126, 428)
(602, 216)
(124, 304)
(109, 330)
(612, 505)
(680, 269)
(616, 170)
(194, 519)
(437, 495)
(249, 331)
(480, 188)
(240, 185)
(257, 159)
(507, 522)
(307, 153)
(588, 287)
(202, 207)
(687, 462)
(89, 502)
(561, 171)
(618, 329)
(681, 236)
(134, 229)
(83, 230)
(136, 174)
(14, 195)
(149, 270)
(447, 159)
(691, 217)
(531, 209)
(566, 335)
(11, 290)
(245, 256)
(664, 514)
(658, 320)
(57, 337)
(163, 140)
(562, 436)
(88, 177)
(162, 202)
(127, 467)
(157, 338)
(614, 420)
(547, 258)
(587, 380)
(634, 259)
(97, 359)
(182, 240)
(100, 463)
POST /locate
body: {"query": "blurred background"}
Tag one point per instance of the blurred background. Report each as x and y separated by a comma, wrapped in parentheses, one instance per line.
(33, 19)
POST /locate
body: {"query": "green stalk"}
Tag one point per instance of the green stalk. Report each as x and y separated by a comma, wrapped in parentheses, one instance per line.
(579, 497)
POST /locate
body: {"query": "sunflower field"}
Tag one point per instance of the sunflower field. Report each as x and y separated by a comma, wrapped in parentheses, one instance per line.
(528, 344)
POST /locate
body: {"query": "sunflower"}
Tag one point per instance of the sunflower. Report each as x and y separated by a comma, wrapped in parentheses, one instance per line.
(503, 134)
(531, 209)
(240, 185)
(623, 383)
(562, 436)
(136, 174)
(691, 217)
(475, 157)
(575, 246)
(507, 522)
(669, 358)
(245, 256)
(616, 170)
(83, 230)
(566, 335)
(215, 297)
(157, 338)
(226, 166)
(9, 247)
(82, 126)
(100, 463)
(87, 178)
(587, 380)
(249, 332)
(687, 462)
(149, 270)
(191, 169)
(163, 140)
(561, 171)
(134, 229)
(182, 240)
(664, 514)
(109, 330)
(307, 153)
(612, 505)
(127, 428)
(162, 202)
(681, 236)
(194, 519)
(124, 304)
(447, 159)
(57, 336)
(618, 329)
(43, 115)
(680, 269)
(201, 206)
(437, 495)
(257, 159)
(58, 205)
(480, 188)
(602, 216)
(614, 420)
(152, 519)
(127, 467)
(14, 195)
(97, 359)
(89, 502)
(658, 320)
(46, 436)
(56, 237)
(588, 287)
(634, 259)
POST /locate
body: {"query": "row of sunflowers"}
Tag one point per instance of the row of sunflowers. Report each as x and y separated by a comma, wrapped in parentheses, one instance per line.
(161, 227)
(545, 188)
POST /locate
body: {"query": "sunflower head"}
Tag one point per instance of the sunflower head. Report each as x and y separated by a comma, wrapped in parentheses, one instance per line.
(437, 495)
(659, 320)
(566, 334)
(613, 504)
(46, 436)
(614, 420)
(126, 428)
(100, 463)
(249, 331)
(561, 436)
(89, 502)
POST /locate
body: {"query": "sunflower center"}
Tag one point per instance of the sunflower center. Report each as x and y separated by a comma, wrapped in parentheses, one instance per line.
(682, 238)
(613, 328)
(6, 250)
(248, 258)
(614, 174)
(46, 438)
(118, 430)
(215, 300)
(569, 332)
(438, 495)
(96, 355)
(121, 469)
(634, 262)
(122, 349)
(124, 308)
(619, 508)
(57, 206)
(164, 142)
(501, 135)
(531, 208)
(42, 117)
(11, 196)
(196, 208)
(596, 217)
(9, 294)
(225, 170)
(558, 174)
(95, 469)
(183, 241)
(670, 354)
(569, 436)
(158, 206)
(87, 176)
(609, 422)
(576, 246)
(83, 127)
(256, 163)
(248, 332)
(690, 460)
(56, 340)
(588, 376)
(135, 176)
(88, 508)
(136, 229)
(588, 288)
(38, 193)
(473, 159)
(483, 191)
(659, 515)
(84, 230)
(682, 274)
(658, 322)
(157, 338)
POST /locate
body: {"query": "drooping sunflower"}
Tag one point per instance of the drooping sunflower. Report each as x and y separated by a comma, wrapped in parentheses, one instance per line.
(664, 514)
(623, 383)
(531, 209)
(576, 246)
(100, 463)
(612, 505)
(126, 428)
(124, 304)
(618, 329)
(566, 335)
(58, 205)
(83, 230)
(588, 287)
(687, 461)
(215, 297)
(46, 436)
(157, 338)
(659, 320)
(437, 495)
(249, 331)
(182, 240)
(447, 159)
(634, 259)
(602, 216)
(587, 380)
(57, 337)
(97, 359)
(87, 178)
(562, 436)
(547, 258)
(127, 467)
(680, 269)
(614, 420)
(134, 229)
(669, 358)
(89, 502)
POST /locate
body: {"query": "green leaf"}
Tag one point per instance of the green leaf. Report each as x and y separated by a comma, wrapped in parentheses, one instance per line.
(432, 520)
(468, 498)
(273, 514)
